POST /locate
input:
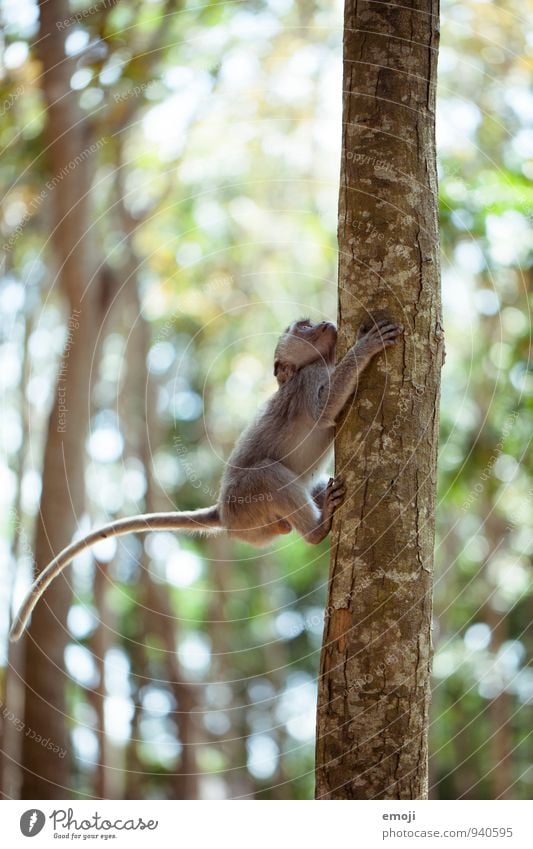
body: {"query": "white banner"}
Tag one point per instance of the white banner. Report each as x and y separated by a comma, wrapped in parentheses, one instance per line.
(262, 825)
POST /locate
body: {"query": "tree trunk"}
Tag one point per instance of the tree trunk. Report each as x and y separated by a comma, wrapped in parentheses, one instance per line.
(13, 684)
(158, 616)
(46, 775)
(96, 695)
(376, 657)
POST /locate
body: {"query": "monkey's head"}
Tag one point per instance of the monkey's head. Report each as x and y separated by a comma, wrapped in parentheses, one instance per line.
(302, 343)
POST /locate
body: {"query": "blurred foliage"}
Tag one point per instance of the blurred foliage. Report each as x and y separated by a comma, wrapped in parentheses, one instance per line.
(219, 127)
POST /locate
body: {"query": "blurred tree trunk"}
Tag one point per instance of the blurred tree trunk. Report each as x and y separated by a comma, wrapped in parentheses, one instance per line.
(276, 661)
(161, 621)
(375, 664)
(13, 684)
(500, 714)
(500, 707)
(224, 635)
(158, 615)
(96, 696)
(46, 775)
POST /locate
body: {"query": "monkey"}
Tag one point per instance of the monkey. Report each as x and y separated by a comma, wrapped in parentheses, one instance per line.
(272, 482)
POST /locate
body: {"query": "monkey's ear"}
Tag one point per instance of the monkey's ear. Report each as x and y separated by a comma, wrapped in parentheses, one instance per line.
(283, 371)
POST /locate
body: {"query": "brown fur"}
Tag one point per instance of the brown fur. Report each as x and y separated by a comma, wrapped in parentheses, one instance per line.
(272, 482)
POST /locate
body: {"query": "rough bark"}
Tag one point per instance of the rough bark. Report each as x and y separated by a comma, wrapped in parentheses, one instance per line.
(46, 776)
(375, 663)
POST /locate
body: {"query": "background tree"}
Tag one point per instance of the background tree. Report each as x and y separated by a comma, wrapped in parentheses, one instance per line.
(68, 150)
(373, 700)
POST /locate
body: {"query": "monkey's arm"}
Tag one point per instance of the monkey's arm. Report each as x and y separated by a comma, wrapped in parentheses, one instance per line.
(345, 376)
(194, 520)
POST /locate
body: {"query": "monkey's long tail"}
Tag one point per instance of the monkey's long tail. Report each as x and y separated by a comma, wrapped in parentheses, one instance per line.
(193, 520)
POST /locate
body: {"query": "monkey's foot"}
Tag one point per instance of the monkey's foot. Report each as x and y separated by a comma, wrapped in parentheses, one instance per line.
(335, 494)
(333, 498)
(282, 527)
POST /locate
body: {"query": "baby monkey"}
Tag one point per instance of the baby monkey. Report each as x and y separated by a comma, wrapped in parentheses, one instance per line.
(271, 483)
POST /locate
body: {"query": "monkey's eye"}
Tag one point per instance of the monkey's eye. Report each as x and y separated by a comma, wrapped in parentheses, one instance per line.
(304, 324)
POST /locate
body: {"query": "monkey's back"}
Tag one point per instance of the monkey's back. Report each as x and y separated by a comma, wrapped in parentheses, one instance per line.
(284, 431)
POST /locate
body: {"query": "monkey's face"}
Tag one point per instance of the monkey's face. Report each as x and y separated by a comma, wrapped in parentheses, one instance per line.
(304, 342)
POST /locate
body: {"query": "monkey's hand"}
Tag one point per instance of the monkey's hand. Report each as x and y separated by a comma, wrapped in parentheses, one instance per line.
(376, 336)
(370, 341)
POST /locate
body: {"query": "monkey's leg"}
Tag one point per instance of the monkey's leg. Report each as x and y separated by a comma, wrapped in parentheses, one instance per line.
(299, 508)
(278, 503)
